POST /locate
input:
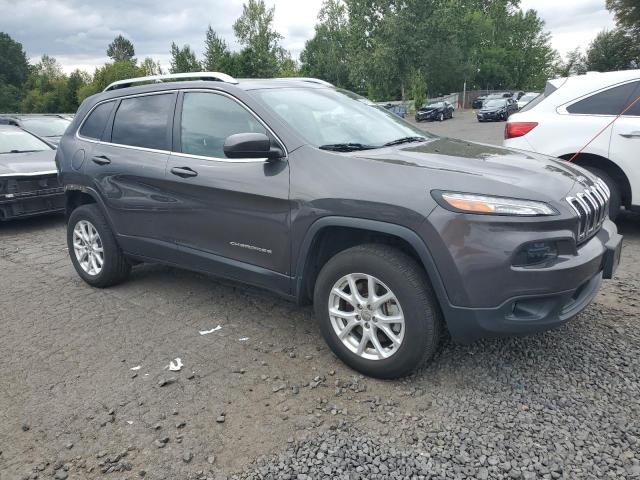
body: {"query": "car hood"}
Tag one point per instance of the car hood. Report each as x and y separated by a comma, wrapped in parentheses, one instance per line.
(27, 163)
(478, 168)
(55, 140)
(427, 110)
(492, 109)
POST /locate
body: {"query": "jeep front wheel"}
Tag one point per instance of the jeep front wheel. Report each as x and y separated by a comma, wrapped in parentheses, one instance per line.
(376, 310)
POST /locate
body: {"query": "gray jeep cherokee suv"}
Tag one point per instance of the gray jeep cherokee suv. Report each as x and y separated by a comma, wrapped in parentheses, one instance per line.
(314, 193)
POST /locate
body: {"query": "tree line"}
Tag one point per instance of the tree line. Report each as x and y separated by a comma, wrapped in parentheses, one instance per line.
(384, 49)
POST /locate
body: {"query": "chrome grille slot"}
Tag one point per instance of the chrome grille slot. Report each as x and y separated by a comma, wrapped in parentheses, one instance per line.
(591, 207)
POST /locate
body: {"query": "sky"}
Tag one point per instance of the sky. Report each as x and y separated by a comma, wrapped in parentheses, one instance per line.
(77, 32)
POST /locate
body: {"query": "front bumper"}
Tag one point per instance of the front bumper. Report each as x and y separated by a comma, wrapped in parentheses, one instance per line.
(427, 116)
(31, 204)
(487, 296)
(491, 116)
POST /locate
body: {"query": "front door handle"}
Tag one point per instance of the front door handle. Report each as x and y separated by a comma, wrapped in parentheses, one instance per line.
(184, 172)
(101, 160)
(635, 134)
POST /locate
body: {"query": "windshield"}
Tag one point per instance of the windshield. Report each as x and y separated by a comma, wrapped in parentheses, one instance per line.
(435, 105)
(495, 103)
(326, 116)
(46, 126)
(16, 141)
(528, 97)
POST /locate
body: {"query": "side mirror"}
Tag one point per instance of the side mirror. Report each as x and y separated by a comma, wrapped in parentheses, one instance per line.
(250, 145)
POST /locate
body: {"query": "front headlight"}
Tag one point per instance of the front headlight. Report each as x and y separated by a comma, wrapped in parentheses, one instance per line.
(488, 205)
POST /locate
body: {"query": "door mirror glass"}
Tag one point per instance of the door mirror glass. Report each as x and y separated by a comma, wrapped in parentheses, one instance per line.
(250, 145)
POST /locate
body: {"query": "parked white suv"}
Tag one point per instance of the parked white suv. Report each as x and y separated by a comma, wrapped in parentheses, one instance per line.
(571, 112)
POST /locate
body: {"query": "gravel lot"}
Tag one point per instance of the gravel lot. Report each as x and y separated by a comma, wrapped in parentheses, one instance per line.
(262, 397)
(465, 125)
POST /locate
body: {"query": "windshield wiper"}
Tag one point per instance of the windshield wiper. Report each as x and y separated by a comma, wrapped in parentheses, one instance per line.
(23, 151)
(404, 140)
(345, 147)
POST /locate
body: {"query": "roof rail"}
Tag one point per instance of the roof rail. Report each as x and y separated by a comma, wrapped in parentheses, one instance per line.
(308, 79)
(213, 76)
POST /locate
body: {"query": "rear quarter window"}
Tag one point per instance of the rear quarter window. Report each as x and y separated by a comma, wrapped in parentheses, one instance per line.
(609, 102)
(95, 124)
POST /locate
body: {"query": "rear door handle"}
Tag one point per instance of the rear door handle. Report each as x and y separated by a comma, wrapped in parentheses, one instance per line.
(101, 160)
(184, 172)
(635, 134)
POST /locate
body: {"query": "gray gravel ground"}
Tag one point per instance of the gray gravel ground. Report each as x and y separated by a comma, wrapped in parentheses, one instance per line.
(465, 125)
(263, 397)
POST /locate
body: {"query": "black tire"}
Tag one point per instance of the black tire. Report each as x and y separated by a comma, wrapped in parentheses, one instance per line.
(115, 268)
(615, 202)
(409, 283)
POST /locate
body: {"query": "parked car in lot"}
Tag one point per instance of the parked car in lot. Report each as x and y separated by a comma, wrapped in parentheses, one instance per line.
(307, 190)
(47, 126)
(28, 176)
(566, 118)
(399, 110)
(526, 98)
(477, 103)
(497, 109)
(435, 111)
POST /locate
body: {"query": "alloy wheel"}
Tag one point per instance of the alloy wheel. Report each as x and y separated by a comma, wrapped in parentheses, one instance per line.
(88, 248)
(366, 316)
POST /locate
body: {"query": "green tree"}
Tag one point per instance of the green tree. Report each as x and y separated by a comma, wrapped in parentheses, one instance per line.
(325, 55)
(627, 13)
(121, 50)
(418, 88)
(217, 57)
(254, 31)
(10, 98)
(70, 100)
(14, 69)
(183, 60)
(150, 67)
(109, 73)
(45, 87)
(613, 50)
(575, 64)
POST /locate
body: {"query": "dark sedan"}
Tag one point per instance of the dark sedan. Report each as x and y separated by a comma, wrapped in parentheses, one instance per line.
(497, 109)
(477, 103)
(49, 127)
(435, 111)
(28, 175)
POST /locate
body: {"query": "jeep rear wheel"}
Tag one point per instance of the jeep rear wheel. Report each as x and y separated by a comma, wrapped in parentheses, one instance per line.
(92, 246)
(376, 310)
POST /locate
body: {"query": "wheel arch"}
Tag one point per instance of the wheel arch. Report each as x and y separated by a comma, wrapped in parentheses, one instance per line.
(330, 235)
(77, 195)
(587, 160)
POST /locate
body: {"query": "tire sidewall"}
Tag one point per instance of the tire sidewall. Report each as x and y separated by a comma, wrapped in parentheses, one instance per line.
(417, 322)
(91, 214)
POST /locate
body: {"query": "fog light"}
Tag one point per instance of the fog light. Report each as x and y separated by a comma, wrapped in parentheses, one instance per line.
(536, 253)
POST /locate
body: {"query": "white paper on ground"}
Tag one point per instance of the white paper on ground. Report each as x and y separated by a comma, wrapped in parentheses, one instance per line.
(205, 332)
(243, 339)
(136, 367)
(175, 365)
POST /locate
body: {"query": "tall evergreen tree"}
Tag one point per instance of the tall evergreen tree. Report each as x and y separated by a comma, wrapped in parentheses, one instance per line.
(183, 60)
(121, 50)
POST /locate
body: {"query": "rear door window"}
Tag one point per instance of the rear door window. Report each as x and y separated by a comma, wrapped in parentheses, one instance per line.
(144, 121)
(95, 124)
(634, 111)
(609, 102)
(208, 119)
